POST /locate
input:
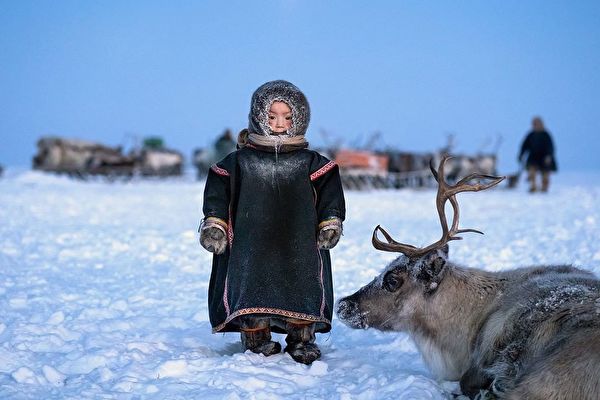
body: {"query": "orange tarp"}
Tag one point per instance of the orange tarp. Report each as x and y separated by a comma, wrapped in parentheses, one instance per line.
(354, 159)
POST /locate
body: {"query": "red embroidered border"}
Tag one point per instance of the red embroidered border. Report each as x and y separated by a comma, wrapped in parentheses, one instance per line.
(225, 302)
(230, 240)
(230, 229)
(321, 282)
(322, 171)
(266, 310)
(218, 170)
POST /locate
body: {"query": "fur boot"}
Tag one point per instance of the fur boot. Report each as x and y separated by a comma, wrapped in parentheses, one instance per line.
(256, 337)
(301, 342)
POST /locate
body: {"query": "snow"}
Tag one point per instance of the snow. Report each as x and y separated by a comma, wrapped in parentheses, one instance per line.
(103, 288)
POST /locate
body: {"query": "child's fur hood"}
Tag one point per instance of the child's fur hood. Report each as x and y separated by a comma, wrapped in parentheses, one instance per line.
(279, 90)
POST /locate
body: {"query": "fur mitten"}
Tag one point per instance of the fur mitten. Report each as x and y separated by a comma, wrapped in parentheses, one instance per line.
(330, 232)
(213, 236)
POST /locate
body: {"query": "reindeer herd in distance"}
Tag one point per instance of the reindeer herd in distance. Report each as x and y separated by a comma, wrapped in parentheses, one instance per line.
(360, 168)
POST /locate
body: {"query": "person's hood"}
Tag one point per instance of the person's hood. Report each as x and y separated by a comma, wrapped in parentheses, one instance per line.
(280, 90)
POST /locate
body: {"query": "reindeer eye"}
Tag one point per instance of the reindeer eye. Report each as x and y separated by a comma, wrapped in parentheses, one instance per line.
(391, 282)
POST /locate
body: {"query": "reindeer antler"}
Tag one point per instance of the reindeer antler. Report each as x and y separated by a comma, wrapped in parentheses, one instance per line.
(445, 192)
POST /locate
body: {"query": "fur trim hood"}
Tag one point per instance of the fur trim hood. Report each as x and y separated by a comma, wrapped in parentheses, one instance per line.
(263, 98)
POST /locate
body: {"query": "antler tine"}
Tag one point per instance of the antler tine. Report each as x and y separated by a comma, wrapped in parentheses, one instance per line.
(391, 245)
(388, 237)
(455, 218)
(463, 186)
(454, 228)
(432, 169)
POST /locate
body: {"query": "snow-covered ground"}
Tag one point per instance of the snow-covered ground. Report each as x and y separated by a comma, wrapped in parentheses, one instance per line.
(103, 288)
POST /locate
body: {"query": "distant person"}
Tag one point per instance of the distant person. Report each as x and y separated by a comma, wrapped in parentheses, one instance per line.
(540, 155)
(224, 145)
(272, 210)
(204, 158)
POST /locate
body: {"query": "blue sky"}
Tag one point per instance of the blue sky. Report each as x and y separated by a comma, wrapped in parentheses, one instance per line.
(415, 71)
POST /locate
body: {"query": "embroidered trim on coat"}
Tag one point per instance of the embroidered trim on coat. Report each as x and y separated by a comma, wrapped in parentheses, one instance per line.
(322, 171)
(225, 301)
(266, 310)
(230, 230)
(216, 220)
(230, 240)
(219, 170)
(321, 282)
(335, 221)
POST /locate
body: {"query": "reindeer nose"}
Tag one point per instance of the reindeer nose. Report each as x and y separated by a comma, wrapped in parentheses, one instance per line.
(349, 312)
(342, 308)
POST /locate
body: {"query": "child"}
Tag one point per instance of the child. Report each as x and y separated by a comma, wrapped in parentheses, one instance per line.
(273, 209)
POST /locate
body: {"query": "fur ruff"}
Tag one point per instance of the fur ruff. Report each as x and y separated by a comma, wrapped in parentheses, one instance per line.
(263, 98)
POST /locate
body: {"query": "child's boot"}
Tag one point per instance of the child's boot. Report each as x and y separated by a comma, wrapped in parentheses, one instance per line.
(301, 342)
(256, 336)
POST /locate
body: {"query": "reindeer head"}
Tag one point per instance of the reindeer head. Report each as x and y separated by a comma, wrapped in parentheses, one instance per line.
(396, 298)
(390, 301)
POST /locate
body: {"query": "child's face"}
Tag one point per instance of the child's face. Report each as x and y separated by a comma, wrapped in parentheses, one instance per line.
(280, 117)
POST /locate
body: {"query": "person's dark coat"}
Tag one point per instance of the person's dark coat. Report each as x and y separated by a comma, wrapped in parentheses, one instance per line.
(273, 203)
(540, 151)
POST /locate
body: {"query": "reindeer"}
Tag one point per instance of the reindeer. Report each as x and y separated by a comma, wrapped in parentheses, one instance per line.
(529, 333)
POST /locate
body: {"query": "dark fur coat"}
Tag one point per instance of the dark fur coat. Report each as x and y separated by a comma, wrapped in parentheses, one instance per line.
(273, 203)
(540, 151)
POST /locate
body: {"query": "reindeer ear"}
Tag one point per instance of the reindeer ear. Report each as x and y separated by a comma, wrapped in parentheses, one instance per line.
(432, 269)
(436, 260)
(437, 265)
(431, 265)
(445, 250)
